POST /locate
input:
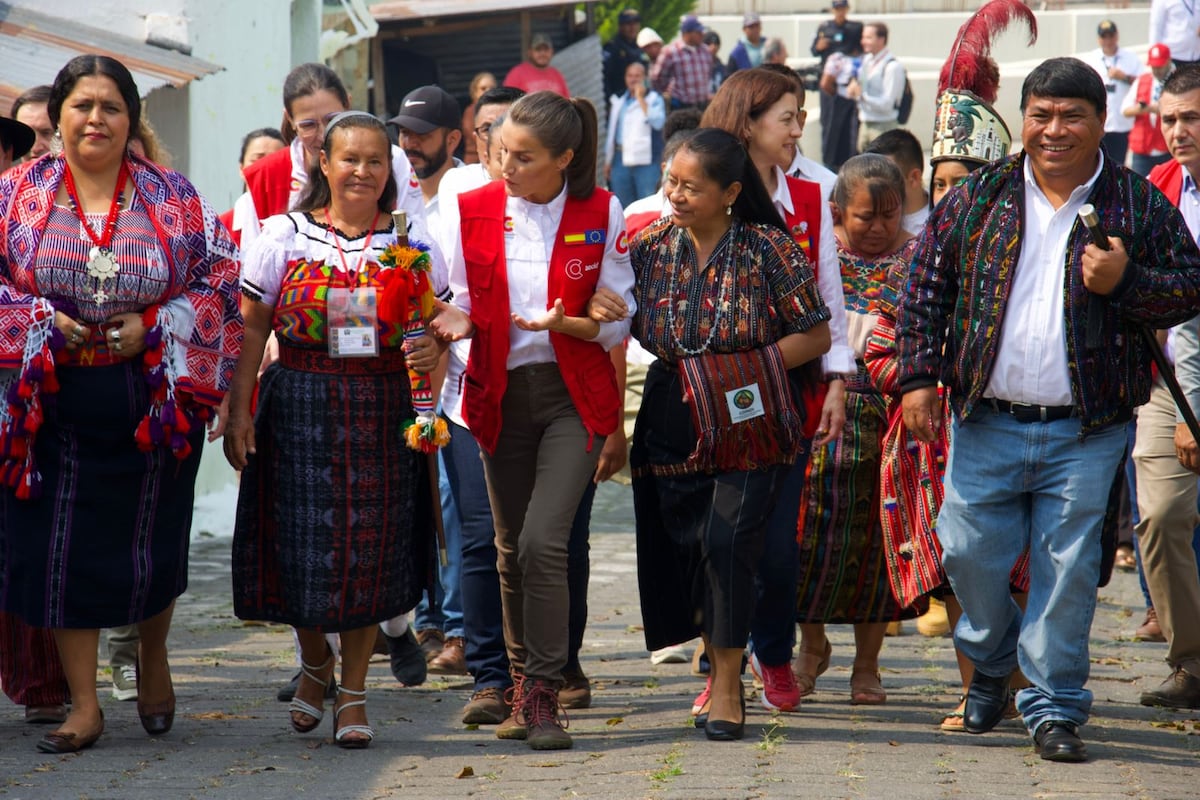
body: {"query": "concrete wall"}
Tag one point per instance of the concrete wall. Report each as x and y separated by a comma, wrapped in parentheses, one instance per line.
(923, 41)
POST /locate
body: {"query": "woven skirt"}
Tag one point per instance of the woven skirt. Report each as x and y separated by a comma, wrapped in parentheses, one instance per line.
(333, 520)
(106, 544)
(699, 536)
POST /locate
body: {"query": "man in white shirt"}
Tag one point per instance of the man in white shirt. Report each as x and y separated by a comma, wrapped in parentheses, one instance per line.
(1118, 68)
(1040, 405)
(429, 126)
(1176, 23)
(878, 86)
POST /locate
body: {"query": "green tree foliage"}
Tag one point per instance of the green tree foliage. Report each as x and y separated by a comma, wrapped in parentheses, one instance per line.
(661, 15)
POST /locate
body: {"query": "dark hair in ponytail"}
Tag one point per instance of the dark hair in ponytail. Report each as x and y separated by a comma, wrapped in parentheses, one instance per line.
(725, 160)
(560, 125)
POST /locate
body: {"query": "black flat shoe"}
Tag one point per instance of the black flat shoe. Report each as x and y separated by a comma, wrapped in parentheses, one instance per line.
(986, 700)
(1057, 740)
(65, 743)
(157, 718)
(724, 730)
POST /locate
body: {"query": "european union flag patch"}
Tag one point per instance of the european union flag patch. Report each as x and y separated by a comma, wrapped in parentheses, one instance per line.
(594, 236)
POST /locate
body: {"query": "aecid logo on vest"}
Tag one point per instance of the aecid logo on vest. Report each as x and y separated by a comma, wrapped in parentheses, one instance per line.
(576, 269)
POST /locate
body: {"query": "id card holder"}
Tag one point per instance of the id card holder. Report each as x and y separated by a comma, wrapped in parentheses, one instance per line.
(352, 318)
(745, 403)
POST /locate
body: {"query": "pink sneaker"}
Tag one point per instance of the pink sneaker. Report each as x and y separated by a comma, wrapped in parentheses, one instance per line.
(780, 692)
(702, 699)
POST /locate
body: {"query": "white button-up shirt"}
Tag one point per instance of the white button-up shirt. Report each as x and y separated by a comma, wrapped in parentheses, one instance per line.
(527, 250)
(1031, 362)
(840, 357)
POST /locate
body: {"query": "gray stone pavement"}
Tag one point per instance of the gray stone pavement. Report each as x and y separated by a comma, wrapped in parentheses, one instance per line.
(231, 738)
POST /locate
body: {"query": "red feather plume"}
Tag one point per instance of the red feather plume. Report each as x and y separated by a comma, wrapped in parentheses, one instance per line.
(970, 65)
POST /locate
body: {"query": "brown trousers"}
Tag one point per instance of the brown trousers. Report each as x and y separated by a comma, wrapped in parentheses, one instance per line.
(1167, 507)
(535, 479)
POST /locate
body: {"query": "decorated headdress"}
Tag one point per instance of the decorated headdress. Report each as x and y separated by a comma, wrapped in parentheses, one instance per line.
(966, 126)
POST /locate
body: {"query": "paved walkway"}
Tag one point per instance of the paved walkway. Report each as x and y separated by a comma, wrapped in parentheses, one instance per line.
(231, 738)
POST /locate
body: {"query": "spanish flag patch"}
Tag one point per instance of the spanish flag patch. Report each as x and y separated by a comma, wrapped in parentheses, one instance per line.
(594, 236)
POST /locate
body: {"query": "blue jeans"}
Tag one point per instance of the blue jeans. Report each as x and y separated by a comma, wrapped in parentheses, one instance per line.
(632, 183)
(479, 583)
(441, 605)
(1011, 486)
(773, 629)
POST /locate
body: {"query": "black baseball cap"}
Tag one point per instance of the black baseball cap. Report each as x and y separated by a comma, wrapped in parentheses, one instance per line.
(17, 135)
(628, 15)
(1106, 28)
(427, 108)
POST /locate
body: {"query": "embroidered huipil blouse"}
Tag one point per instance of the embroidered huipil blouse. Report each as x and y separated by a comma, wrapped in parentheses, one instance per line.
(756, 289)
(294, 262)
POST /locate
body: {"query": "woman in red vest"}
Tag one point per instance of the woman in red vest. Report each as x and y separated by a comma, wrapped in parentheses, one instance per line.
(540, 391)
(727, 303)
(762, 107)
(312, 95)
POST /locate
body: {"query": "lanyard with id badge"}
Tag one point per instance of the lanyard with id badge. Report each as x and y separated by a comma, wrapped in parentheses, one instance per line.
(352, 311)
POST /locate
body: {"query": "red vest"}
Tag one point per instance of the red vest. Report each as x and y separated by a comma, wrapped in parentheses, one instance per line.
(269, 181)
(1168, 177)
(1146, 135)
(804, 222)
(573, 273)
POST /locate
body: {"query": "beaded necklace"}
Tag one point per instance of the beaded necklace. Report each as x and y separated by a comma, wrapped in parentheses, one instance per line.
(102, 262)
(722, 299)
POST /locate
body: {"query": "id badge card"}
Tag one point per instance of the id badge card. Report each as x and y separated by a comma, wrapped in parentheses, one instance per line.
(352, 318)
(745, 403)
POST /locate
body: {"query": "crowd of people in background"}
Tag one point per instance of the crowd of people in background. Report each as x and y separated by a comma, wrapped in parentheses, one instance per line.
(840, 394)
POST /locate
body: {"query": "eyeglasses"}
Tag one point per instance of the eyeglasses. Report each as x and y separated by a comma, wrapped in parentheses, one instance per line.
(312, 125)
(483, 129)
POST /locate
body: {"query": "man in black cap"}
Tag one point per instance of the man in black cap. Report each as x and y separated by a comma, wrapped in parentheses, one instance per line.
(429, 131)
(621, 51)
(15, 140)
(1118, 68)
(839, 113)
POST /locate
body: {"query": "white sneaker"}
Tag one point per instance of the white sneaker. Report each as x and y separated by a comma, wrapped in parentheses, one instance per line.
(125, 682)
(669, 655)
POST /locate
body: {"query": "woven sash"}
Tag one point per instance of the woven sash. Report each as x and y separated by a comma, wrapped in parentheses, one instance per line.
(725, 446)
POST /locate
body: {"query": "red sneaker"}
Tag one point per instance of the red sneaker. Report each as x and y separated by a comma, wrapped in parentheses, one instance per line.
(780, 692)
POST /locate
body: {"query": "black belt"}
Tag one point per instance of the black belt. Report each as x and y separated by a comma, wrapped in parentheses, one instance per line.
(1026, 412)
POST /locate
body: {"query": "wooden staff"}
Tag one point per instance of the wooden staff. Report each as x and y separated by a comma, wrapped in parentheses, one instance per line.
(400, 220)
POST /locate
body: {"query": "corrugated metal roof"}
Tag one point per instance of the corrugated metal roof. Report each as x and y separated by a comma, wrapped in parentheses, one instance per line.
(407, 10)
(35, 46)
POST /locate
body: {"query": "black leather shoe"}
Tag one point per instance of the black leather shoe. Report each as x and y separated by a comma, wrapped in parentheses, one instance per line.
(1057, 741)
(986, 700)
(408, 663)
(724, 730)
(1181, 690)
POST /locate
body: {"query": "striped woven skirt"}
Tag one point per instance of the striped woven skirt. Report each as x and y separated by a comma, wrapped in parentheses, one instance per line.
(106, 544)
(333, 514)
(843, 574)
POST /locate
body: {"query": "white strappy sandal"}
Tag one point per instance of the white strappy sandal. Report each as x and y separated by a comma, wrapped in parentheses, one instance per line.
(340, 734)
(300, 706)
